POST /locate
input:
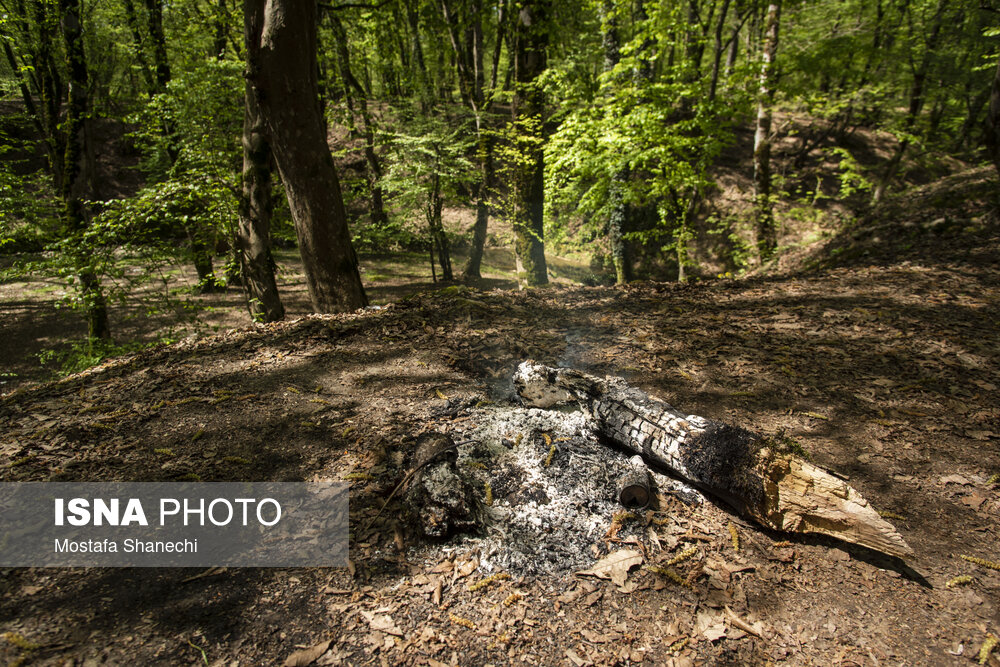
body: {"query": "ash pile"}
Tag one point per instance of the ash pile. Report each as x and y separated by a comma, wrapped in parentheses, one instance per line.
(534, 491)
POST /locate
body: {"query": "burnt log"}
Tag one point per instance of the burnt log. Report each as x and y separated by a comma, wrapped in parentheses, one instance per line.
(443, 500)
(747, 470)
(634, 489)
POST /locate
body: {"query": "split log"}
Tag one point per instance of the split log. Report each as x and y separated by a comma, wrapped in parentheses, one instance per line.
(633, 487)
(747, 470)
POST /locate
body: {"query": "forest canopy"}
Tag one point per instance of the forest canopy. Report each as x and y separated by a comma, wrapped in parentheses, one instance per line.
(662, 140)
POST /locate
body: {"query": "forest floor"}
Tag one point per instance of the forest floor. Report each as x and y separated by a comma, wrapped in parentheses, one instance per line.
(882, 363)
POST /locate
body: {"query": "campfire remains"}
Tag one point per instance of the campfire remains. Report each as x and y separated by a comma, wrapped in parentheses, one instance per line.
(747, 470)
(534, 488)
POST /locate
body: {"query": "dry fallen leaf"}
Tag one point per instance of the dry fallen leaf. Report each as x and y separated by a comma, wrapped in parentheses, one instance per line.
(614, 566)
(382, 623)
(307, 656)
(576, 659)
(955, 479)
(711, 626)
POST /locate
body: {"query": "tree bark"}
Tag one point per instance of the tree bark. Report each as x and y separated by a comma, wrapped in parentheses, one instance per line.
(718, 50)
(528, 188)
(283, 74)
(253, 236)
(439, 239)
(745, 469)
(766, 233)
(471, 74)
(132, 19)
(473, 266)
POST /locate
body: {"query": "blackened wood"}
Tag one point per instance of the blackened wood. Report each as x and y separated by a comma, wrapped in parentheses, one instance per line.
(634, 489)
(748, 470)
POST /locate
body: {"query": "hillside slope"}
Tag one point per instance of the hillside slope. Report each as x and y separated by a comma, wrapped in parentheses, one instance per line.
(882, 364)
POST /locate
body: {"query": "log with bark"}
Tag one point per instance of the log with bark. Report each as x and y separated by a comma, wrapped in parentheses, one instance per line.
(747, 470)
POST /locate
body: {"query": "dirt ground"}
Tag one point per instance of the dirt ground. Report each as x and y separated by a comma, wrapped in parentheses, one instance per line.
(883, 366)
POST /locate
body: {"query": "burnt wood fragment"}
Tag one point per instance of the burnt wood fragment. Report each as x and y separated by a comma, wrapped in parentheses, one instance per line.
(443, 500)
(747, 470)
(634, 489)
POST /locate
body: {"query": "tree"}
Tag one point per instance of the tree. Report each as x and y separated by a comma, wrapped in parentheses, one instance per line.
(916, 99)
(470, 68)
(527, 196)
(283, 73)
(78, 165)
(618, 208)
(429, 163)
(253, 237)
(766, 233)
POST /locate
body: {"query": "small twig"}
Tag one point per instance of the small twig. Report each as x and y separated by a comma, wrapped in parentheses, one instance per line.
(210, 572)
(740, 623)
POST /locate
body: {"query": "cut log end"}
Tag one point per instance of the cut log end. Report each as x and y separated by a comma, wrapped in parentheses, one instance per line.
(634, 488)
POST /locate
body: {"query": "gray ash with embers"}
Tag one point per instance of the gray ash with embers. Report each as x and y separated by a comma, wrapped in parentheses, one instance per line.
(553, 486)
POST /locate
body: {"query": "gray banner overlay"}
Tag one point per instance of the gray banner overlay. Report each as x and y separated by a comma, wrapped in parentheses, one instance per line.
(173, 524)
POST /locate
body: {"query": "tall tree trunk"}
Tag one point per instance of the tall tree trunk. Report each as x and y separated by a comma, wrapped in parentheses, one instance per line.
(283, 75)
(473, 267)
(766, 233)
(253, 237)
(161, 65)
(528, 187)
(132, 19)
(425, 90)
(201, 252)
(439, 239)
(469, 59)
(720, 47)
(219, 42)
(617, 213)
(76, 185)
(377, 201)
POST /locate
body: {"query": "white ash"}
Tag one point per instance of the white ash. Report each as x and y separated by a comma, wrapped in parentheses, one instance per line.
(544, 518)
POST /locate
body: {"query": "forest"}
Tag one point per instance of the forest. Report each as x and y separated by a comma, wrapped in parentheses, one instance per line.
(374, 242)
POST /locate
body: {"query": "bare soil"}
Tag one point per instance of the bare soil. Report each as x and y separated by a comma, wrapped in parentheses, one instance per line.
(882, 365)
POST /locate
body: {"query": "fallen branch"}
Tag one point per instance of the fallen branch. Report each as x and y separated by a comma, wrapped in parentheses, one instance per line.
(746, 469)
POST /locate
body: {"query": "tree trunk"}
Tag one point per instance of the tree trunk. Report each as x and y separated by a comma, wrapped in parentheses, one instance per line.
(377, 201)
(469, 67)
(747, 470)
(527, 187)
(283, 75)
(766, 233)
(617, 213)
(439, 239)
(718, 50)
(77, 176)
(616, 227)
(161, 65)
(473, 267)
(132, 19)
(253, 236)
(219, 42)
